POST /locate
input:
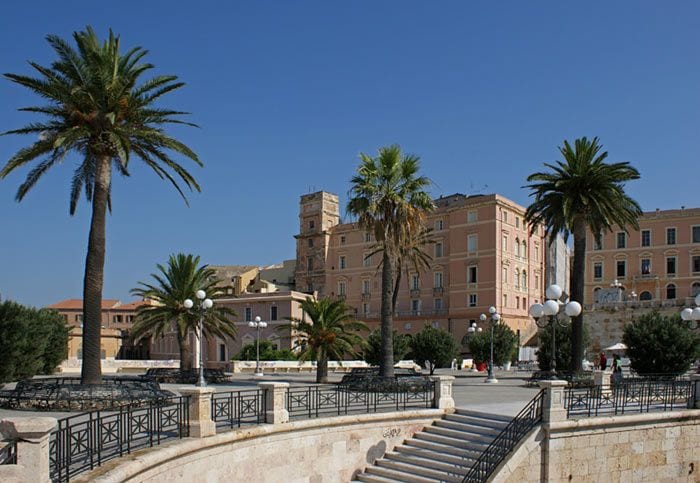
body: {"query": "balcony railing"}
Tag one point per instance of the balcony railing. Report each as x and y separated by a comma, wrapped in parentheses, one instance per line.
(438, 291)
(411, 313)
(415, 292)
(366, 296)
(645, 276)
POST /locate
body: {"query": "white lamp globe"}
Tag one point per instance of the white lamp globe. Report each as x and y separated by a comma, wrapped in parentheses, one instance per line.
(697, 299)
(262, 324)
(696, 313)
(573, 308)
(257, 318)
(471, 329)
(479, 329)
(492, 310)
(201, 294)
(554, 291)
(482, 317)
(551, 307)
(187, 304)
(496, 317)
(208, 303)
(251, 324)
(687, 314)
(536, 311)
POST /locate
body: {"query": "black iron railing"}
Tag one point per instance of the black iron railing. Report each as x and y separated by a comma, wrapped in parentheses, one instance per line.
(328, 400)
(506, 441)
(8, 454)
(629, 396)
(234, 408)
(85, 441)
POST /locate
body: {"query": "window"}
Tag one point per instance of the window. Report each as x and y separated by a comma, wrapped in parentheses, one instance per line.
(368, 237)
(696, 264)
(437, 304)
(342, 239)
(471, 216)
(646, 238)
(367, 260)
(598, 270)
(365, 286)
(597, 243)
(79, 318)
(311, 242)
(248, 314)
(116, 319)
(472, 275)
(523, 251)
(504, 243)
(273, 312)
(341, 262)
(516, 278)
(671, 265)
(415, 282)
(439, 225)
(646, 295)
(342, 288)
(621, 268)
(695, 289)
(472, 300)
(537, 282)
(505, 275)
(523, 283)
(222, 352)
(504, 216)
(646, 266)
(312, 224)
(517, 302)
(415, 306)
(670, 236)
(517, 222)
(438, 249)
(437, 280)
(695, 236)
(670, 291)
(621, 239)
(516, 247)
(365, 308)
(472, 242)
(309, 264)
(537, 253)
(505, 300)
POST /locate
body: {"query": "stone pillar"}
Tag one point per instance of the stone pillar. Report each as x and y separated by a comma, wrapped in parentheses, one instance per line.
(553, 407)
(32, 436)
(695, 395)
(443, 393)
(275, 402)
(201, 424)
(601, 379)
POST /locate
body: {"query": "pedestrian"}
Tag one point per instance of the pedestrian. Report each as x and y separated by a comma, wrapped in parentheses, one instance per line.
(603, 361)
(617, 369)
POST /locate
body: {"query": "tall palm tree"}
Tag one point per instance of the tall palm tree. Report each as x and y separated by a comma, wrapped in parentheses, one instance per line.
(581, 192)
(331, 333)
(389, 199)
(174, 283)
(97, 110)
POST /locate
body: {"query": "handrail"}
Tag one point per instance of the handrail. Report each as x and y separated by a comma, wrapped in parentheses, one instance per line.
(529, 417)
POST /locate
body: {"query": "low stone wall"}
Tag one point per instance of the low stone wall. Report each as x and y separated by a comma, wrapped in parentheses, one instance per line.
(122, 366)
(319, 450)
(639, 447)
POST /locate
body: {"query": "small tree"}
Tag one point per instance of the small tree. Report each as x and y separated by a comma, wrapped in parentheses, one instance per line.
(268, 352)
(544, 351)
(372, 347)
(435, 346)
(657, 344)
(505, 344)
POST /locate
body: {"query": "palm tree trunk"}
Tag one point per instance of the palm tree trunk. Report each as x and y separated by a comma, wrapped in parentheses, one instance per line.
(185, 353)
(322, 368)
(94, 276)
(397, 285)
(577, 280)
(386, 365)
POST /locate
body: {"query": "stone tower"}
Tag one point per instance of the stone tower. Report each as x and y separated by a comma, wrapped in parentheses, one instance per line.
(318, 213)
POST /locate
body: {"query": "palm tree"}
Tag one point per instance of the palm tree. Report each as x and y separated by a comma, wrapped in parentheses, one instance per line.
(97, 110)
(390, 200)
(582, 192)
(182, 277)
(330, 333)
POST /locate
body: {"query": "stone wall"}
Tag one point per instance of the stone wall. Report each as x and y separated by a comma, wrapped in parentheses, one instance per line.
(320, 450)
(629, 448)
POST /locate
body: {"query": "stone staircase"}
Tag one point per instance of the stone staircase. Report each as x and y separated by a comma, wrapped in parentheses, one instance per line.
(443, 451)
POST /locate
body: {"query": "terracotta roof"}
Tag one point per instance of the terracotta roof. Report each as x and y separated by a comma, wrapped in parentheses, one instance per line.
(76, 304)
(133, 305)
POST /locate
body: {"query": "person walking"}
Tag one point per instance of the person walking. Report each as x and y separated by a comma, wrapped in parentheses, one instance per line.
(603, 361)
(617, 369)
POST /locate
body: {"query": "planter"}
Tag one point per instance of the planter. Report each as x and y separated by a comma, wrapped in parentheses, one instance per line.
(506, 366)
(481, 366)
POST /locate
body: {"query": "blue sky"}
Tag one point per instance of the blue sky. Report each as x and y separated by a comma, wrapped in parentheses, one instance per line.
(288, 93)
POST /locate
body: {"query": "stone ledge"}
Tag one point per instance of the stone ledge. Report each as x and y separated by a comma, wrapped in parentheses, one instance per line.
(130, 466)
(621, 421)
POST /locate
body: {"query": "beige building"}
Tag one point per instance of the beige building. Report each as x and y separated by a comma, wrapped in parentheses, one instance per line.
(483, 255)
(235, 279)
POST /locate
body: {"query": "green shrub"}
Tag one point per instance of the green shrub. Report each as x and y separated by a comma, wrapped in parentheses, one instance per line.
(372, 347)
(661, 345)
(267, 353)
(544, 351)
(435, 346)
(505, 345)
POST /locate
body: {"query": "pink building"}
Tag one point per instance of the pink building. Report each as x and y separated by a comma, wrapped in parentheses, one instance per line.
(659, 263)
(483, 255)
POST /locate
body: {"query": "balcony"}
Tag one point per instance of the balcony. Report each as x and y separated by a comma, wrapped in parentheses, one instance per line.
(410, 313)
(645, 276)
(366, 296)
(438, 291)
(415, 292)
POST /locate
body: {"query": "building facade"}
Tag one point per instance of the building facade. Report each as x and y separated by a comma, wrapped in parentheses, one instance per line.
(483, 255)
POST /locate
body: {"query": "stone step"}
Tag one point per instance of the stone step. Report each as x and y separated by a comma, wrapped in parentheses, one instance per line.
(372, 478)
(473, 421)
(443, 448)
(499, 418)
(451, 441)
(465, 460)
(418, 471)
(463, 435)
(397, 476)
(431, 464)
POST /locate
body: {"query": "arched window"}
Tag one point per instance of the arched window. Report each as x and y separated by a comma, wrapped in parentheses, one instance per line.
(523, 252)
(505, 275)
(646, 295)
(670, 291)
(523, 284)
(695, 289)
(516, 247)
(516, 278)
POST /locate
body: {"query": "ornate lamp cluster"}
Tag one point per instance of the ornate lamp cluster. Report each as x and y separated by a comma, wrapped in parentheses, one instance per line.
(495, 318)
(692, 314)
(257, 324)
(203, 304)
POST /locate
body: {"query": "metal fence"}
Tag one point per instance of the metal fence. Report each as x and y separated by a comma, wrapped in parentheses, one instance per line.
(234, 408)
(328, 400)
(8, 454)
(85, 441)
(506, 441)
(629, 396)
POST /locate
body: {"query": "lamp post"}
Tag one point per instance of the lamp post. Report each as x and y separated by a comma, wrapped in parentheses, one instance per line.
(202, 305)
(616, 284)
(495, 317)
(547, 315)
(689, 314)
(257, 324)
(470, 331)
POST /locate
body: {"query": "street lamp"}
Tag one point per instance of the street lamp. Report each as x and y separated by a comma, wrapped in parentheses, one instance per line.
(257, 324)
(688, 314)
(547, 315)
(495, 317)
(202, 305)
